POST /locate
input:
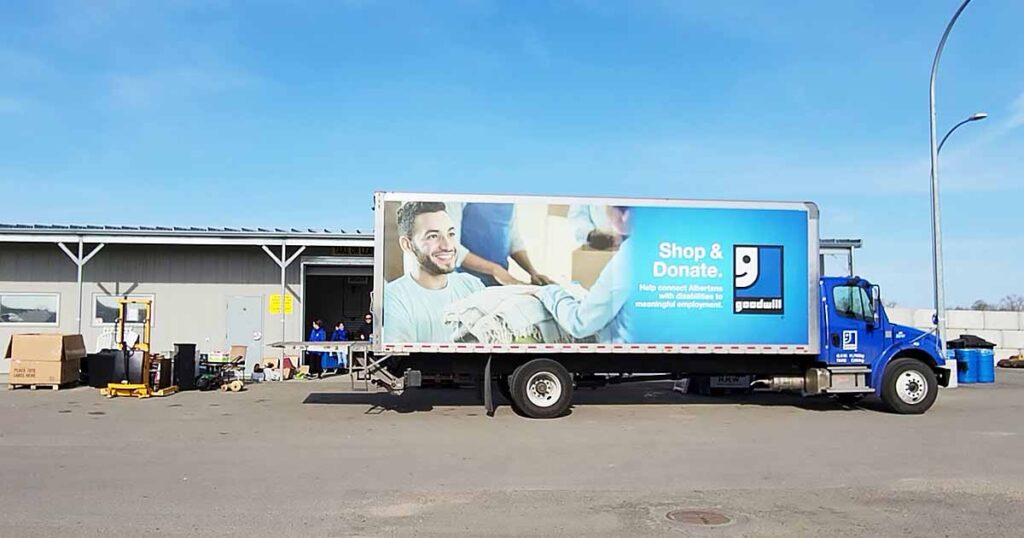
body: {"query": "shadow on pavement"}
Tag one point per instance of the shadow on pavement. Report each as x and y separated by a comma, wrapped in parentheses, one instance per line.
(654, 393)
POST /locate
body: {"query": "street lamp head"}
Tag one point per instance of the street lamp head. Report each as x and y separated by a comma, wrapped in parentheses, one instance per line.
(978, 116)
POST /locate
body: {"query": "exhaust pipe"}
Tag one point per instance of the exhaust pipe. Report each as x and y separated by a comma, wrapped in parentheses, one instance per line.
(814, 381)
(782, 383)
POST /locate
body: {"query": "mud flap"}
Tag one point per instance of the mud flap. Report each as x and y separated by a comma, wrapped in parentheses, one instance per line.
(488, 393)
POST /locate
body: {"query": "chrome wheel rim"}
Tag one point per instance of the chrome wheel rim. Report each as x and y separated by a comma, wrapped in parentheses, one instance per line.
(543, 389)
(911, 387)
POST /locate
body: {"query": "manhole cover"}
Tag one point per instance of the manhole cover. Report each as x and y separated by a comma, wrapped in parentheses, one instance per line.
(698, 517)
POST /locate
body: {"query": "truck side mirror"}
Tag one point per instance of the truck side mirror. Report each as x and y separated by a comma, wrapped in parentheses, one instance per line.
(876, 300)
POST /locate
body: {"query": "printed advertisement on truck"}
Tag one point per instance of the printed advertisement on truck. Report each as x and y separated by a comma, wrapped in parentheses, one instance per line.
(521, 270)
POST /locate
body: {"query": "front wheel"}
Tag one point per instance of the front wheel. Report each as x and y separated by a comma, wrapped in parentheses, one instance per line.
(909, 387)
(541, 388)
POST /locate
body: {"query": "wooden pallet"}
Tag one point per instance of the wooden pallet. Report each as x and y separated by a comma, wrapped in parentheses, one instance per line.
(34, 386)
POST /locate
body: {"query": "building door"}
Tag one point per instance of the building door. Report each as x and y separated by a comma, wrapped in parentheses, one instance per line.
(245, 327)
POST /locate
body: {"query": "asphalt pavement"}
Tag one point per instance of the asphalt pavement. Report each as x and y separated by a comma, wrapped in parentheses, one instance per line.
(315, 459)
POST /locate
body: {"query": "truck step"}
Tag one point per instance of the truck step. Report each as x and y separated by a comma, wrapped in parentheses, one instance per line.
(850, 369)
(849, 380)
(855, 390)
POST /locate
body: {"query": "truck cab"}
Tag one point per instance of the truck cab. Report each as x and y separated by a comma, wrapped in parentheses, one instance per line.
(865, 352)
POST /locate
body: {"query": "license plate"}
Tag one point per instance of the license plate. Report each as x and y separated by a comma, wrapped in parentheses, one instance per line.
(730, 381)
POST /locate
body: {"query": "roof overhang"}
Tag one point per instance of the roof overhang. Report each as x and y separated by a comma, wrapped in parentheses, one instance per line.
(179, 238)
(844, 244)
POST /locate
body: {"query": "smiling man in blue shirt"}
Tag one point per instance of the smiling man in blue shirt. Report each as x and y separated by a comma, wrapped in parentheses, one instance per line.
(414, 303)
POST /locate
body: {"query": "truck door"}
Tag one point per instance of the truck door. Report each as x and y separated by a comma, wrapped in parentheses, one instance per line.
(854, 335)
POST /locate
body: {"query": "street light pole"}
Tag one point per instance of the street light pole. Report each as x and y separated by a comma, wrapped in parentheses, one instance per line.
(977, 116)
(939, 292)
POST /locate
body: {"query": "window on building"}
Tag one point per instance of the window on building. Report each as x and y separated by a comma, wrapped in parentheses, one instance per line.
(104, 309)
(853, 302)
(29, 308)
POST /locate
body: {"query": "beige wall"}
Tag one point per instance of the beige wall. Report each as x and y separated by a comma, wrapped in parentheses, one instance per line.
(1004, 329)
(190, 313)
(190, 287)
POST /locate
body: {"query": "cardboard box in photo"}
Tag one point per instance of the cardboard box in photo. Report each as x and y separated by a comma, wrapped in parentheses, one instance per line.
(588, 263)
(46, 347)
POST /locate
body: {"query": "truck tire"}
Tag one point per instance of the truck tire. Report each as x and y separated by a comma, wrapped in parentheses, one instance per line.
(909, 386)
(541, 388)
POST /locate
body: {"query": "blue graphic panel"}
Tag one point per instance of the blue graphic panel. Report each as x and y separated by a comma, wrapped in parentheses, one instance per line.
(718, 276)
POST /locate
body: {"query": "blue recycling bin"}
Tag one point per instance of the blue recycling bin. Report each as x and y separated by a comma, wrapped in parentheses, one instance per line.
(967, 366)
(986, 366)
(975, 359)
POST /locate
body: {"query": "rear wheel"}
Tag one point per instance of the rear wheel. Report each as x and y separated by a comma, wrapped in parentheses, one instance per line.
(909, 386)
(541, 388)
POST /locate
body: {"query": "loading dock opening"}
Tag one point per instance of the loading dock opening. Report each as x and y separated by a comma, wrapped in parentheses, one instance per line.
(336, 288)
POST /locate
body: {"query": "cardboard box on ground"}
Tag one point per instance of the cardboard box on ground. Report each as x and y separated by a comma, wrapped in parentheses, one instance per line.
(45, 358)
(42, 372)
(46, 347)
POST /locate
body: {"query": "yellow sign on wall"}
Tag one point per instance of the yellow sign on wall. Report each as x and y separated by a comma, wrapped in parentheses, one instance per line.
(274, 303)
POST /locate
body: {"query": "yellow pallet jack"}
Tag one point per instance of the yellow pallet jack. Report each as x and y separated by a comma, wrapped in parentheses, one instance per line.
(124, 388)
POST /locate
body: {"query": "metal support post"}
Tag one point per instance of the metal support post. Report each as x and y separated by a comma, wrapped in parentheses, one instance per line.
(283, 262)
(80, 260)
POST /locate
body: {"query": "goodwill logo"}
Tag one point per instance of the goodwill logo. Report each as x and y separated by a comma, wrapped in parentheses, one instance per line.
(849, 340)
(757, 279)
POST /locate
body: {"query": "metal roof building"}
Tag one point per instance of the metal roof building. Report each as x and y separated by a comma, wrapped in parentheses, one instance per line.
(212, 286)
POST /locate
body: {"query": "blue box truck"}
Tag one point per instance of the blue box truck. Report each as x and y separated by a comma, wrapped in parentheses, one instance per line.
(538, 295)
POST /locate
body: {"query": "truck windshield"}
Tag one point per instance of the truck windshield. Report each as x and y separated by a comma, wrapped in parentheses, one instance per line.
(853, 302)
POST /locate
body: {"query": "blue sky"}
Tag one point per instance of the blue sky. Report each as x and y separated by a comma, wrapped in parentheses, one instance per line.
(292, 113)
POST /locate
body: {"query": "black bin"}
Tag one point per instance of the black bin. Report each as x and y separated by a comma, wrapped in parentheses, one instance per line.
(185, 366)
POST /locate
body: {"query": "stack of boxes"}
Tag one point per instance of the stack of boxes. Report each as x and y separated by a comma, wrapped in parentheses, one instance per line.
(45, 359)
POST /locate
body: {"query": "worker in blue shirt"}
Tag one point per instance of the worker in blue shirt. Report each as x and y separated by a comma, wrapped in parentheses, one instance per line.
(340, 334)
(315, 359)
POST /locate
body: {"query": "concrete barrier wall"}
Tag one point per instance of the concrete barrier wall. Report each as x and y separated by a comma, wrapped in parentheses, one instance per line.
(1004, 329)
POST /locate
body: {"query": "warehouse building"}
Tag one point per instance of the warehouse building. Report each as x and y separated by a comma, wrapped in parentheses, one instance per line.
(214, 287)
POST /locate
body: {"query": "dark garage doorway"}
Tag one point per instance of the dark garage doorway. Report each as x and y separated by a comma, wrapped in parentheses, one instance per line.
(336, 293)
